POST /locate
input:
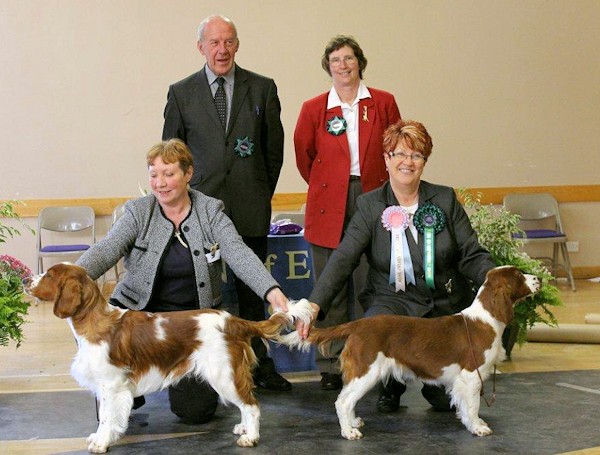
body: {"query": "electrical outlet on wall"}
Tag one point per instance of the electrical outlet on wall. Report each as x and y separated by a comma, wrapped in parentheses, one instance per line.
(573, 247)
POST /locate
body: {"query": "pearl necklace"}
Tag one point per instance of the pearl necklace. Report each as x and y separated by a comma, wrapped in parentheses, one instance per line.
(178, 233)
(179, 239)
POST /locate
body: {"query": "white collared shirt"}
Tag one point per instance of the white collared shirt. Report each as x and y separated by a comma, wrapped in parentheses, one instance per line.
(228, 86)
(350, 113)
(411, 210)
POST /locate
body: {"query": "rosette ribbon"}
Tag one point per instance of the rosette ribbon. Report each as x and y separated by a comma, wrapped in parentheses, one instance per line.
(243, 147)
(396, 220)
(429, 220)
(336, 125)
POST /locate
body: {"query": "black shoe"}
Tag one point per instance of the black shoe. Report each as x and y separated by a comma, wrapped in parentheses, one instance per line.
(437, 398)
(389, 396)
(196, 421)
(331, 381)
(138, 402)
(388, 403)
(272, 381)
(443, 407)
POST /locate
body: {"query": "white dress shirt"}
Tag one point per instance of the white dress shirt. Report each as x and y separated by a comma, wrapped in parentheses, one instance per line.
(350, 113)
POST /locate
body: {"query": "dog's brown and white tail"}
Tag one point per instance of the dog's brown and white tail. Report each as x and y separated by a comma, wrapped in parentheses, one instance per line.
(271, 328)
(320, 337)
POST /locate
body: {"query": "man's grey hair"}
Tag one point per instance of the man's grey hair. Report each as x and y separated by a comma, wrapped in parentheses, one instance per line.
(211, 17)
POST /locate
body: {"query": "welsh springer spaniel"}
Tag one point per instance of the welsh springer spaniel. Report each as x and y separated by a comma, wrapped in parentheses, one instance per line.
(456, 351)
(123, 353)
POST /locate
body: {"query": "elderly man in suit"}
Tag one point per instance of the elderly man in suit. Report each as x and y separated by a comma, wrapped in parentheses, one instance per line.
(230, 119)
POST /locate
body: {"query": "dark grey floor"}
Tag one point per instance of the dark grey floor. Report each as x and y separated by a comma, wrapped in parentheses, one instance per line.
(533, 414)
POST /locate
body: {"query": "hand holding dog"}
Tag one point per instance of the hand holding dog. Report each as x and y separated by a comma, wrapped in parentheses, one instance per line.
(304, 329)
(279, 302)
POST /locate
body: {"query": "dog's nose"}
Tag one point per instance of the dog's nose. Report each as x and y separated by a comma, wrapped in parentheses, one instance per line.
(26, 281)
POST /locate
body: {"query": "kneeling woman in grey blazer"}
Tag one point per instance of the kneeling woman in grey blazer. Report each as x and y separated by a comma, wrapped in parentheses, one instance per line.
(173, 241)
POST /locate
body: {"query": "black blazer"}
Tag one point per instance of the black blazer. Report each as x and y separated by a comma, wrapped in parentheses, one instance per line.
(458, 257)
(244, 184)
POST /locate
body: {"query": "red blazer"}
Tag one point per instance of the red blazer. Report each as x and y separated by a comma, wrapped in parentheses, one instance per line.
(324, 160)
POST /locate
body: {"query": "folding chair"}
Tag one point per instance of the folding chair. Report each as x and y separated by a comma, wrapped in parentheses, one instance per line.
(540, 219)
(59, 228)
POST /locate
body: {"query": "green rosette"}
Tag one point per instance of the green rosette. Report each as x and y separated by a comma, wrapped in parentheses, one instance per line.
(336, 125)
(244, 147)
(429, 220)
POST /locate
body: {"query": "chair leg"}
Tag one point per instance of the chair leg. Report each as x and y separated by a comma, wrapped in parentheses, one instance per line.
(555, 264)
(567, 262)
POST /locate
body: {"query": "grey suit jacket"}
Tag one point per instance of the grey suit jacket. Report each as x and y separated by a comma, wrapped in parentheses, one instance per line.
(458, 257)
(143, 233)
(245, 184)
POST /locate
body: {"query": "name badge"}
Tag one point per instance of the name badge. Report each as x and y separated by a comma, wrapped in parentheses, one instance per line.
(213, 257)
(214, 254)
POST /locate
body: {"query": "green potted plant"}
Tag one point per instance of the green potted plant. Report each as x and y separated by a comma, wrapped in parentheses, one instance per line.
(13, 304)
(495, 228)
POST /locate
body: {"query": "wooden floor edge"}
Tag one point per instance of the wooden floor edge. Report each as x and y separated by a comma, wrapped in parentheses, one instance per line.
(293, 201)
(585, 273)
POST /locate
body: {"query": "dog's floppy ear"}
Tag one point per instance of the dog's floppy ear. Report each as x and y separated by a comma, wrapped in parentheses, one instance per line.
(503, 304)
(68, 297)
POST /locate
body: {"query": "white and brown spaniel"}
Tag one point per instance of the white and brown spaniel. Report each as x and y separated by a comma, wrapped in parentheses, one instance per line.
(123, 353)
(456, 351)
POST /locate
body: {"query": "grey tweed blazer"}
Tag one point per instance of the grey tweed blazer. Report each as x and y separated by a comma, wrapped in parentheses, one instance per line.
(142, 234)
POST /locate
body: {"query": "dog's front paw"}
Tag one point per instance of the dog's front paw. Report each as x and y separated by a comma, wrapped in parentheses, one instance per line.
(358, 422)
(239, 429)
(480, 428)
(245, 441)
(352, 435)
(96, 446)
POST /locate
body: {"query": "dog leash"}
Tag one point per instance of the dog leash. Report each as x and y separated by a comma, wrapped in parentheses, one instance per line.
(491, 401)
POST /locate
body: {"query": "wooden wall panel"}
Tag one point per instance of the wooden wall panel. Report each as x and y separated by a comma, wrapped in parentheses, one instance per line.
(293, 201)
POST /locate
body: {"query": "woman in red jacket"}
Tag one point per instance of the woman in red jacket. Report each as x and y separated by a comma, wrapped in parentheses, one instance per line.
(338, 143)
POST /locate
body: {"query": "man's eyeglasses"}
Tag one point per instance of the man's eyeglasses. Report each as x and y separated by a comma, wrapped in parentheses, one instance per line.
(401, 156)
(348, 59)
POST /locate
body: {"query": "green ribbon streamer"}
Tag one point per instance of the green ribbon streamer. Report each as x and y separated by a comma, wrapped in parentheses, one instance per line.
(429, 250)
(429, 220)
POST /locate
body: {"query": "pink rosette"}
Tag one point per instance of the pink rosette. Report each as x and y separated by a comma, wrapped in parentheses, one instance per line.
(395, 217)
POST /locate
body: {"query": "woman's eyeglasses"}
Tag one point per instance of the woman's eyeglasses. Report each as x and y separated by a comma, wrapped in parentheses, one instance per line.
(401, 156)
(348, 59)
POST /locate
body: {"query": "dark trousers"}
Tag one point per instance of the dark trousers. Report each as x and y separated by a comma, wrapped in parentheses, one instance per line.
(344, 306)
(252, 306)
(193, 401)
